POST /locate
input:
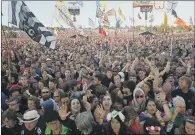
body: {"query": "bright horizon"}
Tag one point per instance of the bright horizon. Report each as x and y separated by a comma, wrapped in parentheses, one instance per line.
(184, 9)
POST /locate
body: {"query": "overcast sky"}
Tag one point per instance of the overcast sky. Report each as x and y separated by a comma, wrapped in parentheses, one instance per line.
(44, 11)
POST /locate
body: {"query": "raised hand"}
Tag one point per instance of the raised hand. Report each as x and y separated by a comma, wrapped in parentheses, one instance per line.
(101, 111)
(63, 112)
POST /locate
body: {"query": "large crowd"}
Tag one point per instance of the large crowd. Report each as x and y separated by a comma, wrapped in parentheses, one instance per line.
(96, 85)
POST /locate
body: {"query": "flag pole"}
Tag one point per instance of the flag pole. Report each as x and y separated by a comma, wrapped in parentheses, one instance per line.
(133, 24)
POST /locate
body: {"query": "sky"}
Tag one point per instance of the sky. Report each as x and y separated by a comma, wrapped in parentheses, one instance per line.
(44, 11)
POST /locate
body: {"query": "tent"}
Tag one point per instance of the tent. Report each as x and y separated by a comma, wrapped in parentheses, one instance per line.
(146, 33)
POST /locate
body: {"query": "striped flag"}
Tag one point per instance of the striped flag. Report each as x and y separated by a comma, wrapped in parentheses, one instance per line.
(138, 15)
(121, 13)
(91, 23)
(24, 19)
(181, 23)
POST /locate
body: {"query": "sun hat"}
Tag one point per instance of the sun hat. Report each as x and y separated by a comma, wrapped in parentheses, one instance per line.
(30, 116)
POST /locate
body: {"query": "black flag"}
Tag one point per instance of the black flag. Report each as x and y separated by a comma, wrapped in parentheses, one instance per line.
(22, 17)
(174, 13)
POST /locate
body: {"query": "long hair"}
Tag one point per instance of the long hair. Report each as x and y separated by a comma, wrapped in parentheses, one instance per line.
(122, 127)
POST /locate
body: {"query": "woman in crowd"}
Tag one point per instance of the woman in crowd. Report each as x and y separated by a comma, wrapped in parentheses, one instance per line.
(152, 112)
(139, 100)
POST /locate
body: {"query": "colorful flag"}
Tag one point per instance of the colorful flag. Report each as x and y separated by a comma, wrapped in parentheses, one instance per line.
(121, 13)
(174, 13)
(102, 31)
(165, 21)
(21, 16)
(190, 21)
(181, 23)
(91, 23)
(138, 15)
(110, 12)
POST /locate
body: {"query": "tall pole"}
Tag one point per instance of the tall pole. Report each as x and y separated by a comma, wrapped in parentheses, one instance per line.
(133, 24)
(146, 14)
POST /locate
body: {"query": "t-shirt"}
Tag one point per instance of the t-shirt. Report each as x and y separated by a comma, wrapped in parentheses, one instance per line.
(186, 96)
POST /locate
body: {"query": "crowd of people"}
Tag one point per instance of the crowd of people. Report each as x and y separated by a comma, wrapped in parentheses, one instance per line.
(96, 85)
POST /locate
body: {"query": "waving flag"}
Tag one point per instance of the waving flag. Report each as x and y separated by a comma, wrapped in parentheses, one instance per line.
(121, 13)
(91, 23)
(104, 4)
(102, 31)
(190, 21)
(98, 4)
(138, 15)
(174, 13)
(24, 19)
(110, 12)
(181, 23)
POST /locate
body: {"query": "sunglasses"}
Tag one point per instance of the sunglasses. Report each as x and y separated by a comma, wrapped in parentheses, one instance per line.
(139, 96)
(45, 92)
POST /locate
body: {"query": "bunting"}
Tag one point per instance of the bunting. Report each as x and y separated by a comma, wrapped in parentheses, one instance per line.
(121, 13)
(181, 23)
(165, 21)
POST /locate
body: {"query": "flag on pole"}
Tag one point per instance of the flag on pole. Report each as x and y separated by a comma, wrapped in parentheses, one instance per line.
(165, 21)
(102, 31)
(91, 23)
(104, 4)
(21, 16)
(138, 15)
(98, 4)
(181, 23)
(190, 21)
(110, 12)
(121, 13)
(174, 13)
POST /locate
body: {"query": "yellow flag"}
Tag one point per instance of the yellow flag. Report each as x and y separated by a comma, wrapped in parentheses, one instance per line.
(165, 21)
(121, 13)
(55, 31)
(104, 4)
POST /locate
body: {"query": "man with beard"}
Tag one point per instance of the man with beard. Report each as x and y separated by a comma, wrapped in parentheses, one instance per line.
(46, 99)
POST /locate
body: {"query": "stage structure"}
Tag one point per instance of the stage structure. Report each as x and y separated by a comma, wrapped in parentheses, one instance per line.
(74, 10)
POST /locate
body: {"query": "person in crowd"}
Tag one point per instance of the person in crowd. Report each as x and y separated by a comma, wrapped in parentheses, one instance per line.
(34, 104)
(139, 100)
(116, 123)
(33, 123)
(153, 126)
(58, 96)
(11, 123)
(54, 126)
(128, 88)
